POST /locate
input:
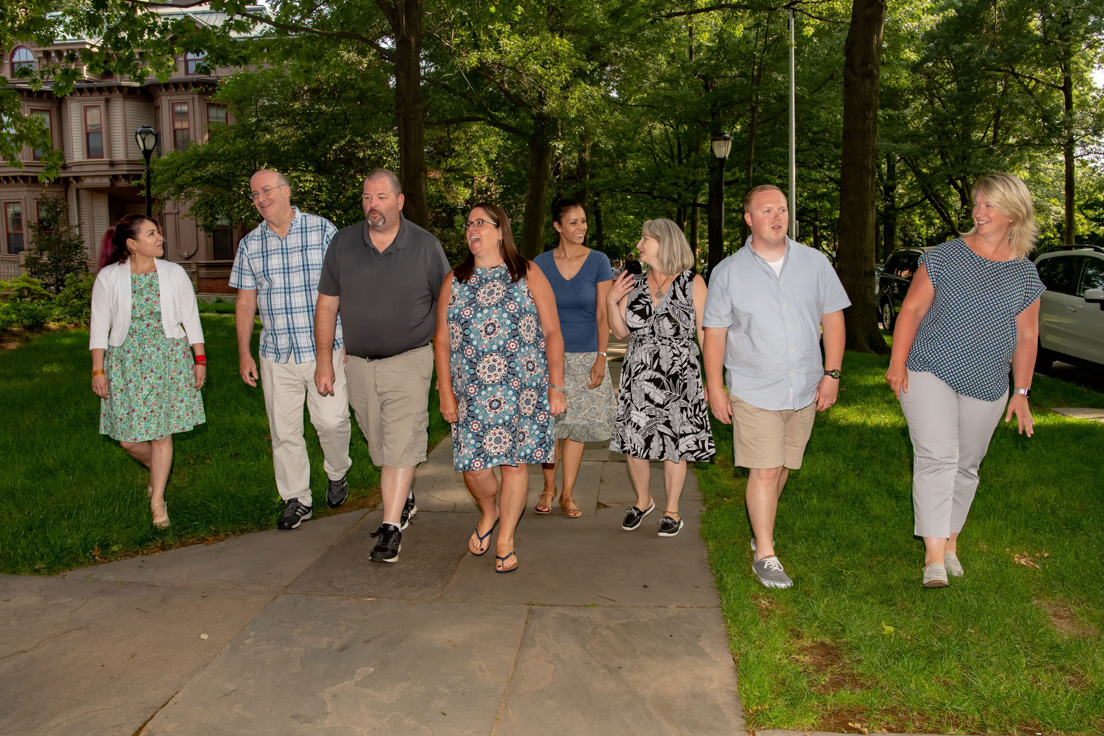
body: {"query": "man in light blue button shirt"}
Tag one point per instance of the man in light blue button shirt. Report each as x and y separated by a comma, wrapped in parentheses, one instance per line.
(766, 307)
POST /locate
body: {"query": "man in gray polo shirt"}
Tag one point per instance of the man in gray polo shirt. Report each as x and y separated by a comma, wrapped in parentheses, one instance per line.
(764, 313)
(384, 275)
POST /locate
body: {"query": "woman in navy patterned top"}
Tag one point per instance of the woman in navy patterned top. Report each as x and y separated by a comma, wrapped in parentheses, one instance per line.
(971, 311)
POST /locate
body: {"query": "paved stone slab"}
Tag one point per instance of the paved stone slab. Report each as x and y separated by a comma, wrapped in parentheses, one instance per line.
(432, 547)
(617, 491)
(264, 561)
(82, 658)
(623, 671)
(315, 665)
(585, 492)
(591, 561)
(1076, 413)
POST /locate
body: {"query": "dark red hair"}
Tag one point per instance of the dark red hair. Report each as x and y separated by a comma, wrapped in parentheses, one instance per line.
(113, 246)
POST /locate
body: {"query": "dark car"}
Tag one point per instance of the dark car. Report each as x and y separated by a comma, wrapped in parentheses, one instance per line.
(893, 283)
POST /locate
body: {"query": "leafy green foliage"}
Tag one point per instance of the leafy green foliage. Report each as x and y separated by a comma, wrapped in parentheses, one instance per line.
(57, 250)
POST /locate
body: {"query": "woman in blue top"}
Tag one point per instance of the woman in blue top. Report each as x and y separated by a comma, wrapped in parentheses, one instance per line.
(580, 279)
(972, 309)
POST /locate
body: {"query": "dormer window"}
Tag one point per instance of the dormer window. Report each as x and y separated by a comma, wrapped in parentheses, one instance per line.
(191, 63)
(22, 58)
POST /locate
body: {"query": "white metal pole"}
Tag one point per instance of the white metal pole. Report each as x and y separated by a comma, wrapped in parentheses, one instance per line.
(793, 135)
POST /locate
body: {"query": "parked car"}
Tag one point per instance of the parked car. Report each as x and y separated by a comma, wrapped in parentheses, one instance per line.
(894, 280)
(1071, 314)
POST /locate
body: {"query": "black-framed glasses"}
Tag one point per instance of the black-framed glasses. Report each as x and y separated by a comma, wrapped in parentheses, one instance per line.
(479, 223)
(253, 196)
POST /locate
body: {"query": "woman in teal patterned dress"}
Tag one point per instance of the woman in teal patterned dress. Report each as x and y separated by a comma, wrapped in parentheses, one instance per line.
(500, 374)
(144, 315)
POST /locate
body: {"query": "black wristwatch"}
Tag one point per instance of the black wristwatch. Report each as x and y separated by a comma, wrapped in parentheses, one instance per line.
(834, 374)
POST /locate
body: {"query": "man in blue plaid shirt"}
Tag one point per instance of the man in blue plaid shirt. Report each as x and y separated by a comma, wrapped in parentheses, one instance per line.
(277, 269)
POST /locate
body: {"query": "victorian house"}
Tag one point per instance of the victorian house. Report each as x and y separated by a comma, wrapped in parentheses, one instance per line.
(94, 126)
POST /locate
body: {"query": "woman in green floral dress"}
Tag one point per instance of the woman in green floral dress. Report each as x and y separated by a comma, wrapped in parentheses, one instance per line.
(144, 315)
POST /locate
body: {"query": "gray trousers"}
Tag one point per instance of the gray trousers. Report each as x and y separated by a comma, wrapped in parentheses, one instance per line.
(950, 436)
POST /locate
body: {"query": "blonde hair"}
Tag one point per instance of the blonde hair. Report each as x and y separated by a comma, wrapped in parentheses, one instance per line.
(756, 190)
(675, 255)
(1013, 200)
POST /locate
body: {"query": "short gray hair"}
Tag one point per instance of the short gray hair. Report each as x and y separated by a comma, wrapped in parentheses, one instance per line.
(675, 255)
(386, 174)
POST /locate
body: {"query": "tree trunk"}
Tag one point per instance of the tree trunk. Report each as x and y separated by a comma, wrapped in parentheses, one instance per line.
(695, 226)
(858, 175)
(1069, 232)
(536, 196)
(406, 22)
(889, 207)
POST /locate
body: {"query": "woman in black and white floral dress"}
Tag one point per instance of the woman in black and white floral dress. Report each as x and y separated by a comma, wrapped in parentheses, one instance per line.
(661, 410)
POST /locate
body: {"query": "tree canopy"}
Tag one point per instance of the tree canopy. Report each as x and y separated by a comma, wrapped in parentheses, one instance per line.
(615, 102)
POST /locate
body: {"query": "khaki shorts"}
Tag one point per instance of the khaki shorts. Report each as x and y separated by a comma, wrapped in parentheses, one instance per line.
(390, 398)
(770, 439)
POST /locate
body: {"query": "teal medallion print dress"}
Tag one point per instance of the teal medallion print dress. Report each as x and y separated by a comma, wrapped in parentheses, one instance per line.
(499, 373)
(151, 382)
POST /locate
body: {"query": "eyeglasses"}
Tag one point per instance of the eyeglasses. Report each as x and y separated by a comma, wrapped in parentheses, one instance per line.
(264, 192)
(479, 223)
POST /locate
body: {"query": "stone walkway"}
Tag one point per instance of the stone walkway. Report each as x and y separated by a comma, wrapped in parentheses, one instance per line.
(599, 631)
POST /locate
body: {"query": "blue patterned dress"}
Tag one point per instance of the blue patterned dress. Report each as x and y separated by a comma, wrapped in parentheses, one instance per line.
(499, 373)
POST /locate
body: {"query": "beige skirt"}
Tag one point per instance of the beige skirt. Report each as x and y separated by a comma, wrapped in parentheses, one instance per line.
(591, 412)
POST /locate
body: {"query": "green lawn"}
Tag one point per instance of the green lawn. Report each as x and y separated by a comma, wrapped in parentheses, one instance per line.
(71, 496)
(857, 643)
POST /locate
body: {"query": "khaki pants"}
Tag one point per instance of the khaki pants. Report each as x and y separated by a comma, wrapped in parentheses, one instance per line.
(285, 386)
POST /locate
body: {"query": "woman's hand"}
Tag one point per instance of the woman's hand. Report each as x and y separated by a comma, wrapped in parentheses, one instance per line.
(897, 378)
(450, 409)
(557, 402)
(200, 375)
(99, 386)
(620, 289)
(1018, 405)
(597, 372)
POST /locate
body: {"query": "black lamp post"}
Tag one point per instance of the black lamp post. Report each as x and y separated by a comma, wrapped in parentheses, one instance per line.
(722, 145)
(146, 138)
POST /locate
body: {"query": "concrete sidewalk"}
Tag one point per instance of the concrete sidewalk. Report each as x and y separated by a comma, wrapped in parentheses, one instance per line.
(599, 630)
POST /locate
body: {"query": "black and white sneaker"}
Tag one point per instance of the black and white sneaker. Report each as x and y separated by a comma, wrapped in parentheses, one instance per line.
(338, 492)
(295, 513)
(409, 510)
(389, 545)
(633, 517)
(668, 527)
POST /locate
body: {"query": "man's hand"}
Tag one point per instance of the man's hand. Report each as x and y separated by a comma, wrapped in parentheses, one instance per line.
(247, 367)
(827, 393)
(324, 377)
(718, 404)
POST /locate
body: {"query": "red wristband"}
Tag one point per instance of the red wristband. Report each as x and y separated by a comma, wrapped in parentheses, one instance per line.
(201, 360)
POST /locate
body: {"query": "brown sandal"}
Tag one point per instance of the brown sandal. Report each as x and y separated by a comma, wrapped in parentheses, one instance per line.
(543, 508)
(571, 511)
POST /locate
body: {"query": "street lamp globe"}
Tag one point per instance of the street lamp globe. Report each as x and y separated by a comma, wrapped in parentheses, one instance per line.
(146, 138)
(722, 145)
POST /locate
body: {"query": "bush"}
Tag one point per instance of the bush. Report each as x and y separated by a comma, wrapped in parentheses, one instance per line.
(74, 304)
(56, 251)
(27, 315)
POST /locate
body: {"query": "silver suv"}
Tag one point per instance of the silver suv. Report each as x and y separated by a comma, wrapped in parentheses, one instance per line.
(1071, 316)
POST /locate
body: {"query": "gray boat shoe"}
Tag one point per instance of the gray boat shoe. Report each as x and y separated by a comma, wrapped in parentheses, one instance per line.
(954, 567)
(935, 576)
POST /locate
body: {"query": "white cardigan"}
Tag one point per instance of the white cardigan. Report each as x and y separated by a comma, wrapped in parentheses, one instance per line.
(111, 304)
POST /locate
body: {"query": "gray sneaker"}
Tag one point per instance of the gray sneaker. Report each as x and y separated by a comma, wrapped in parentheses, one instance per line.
(770, 573)
(935, 576)
(337, 492)
(954, 567)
